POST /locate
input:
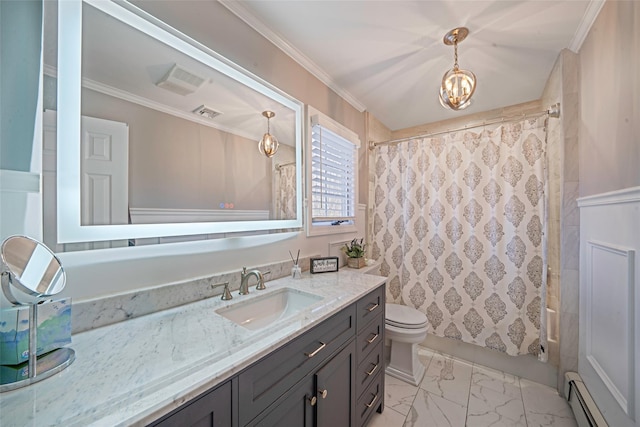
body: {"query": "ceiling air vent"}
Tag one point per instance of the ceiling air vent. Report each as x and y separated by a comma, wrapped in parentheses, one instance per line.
(180, 81)
(206, 112)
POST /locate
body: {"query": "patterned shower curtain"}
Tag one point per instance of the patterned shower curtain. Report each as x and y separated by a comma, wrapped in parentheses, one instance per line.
(285, 191)
(460, 224)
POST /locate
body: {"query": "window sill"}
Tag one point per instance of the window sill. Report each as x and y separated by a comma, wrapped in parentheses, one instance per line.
(325, 230)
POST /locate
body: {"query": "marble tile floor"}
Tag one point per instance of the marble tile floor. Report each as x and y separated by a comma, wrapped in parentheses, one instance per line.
(458, 393)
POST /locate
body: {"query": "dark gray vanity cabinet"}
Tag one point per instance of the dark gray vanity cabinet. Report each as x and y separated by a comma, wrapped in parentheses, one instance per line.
(208, 410)
(330, 376)
(348, 386)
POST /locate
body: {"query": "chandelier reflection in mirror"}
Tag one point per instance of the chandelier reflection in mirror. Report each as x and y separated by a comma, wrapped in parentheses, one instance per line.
(457, 85)
(268, 145)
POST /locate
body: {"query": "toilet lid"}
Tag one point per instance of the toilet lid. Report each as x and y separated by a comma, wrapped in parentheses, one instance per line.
(404, 317)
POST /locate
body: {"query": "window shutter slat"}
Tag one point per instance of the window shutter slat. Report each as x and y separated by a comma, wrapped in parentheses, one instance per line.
(332, 176)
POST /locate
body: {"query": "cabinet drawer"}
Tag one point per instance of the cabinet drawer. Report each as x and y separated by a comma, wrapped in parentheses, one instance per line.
(369, 337)
(369, 368)
(262, 383)
(370, 400)
(370, 306)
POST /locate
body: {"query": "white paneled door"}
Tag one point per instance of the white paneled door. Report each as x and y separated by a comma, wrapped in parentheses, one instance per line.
(104, 171)
(104, 168)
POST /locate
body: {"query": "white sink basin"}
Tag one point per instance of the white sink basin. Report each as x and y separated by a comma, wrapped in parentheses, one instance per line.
(264, 310)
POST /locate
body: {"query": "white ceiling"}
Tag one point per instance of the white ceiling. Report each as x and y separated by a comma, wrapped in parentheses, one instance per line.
(388, 57)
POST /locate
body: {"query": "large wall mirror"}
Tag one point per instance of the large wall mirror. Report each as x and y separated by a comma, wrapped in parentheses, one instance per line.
(157, 136)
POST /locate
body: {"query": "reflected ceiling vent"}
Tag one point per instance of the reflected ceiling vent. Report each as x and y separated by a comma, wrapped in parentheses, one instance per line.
(180, 81)
(206, 112)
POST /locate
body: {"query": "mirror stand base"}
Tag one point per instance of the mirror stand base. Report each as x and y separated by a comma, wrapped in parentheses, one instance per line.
(46, 365)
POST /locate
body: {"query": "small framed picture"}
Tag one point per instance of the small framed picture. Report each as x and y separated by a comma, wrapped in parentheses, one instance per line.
(324, 265)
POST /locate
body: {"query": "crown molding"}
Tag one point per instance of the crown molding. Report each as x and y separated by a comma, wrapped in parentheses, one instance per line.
(589, 17)
(145, 102)
(242, 12)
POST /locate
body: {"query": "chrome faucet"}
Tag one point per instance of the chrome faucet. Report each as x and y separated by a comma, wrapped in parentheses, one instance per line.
(244, 280)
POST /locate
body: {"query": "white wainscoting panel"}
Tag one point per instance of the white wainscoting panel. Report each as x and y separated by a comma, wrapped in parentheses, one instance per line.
(163, 216)
(609, 315)
(335, 247)
(20, 204)
(609, 357)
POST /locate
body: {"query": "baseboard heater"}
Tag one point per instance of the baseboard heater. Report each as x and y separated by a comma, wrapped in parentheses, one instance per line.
(584, 408)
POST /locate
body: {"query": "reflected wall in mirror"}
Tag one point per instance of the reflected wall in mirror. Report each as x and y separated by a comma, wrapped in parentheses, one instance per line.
(164, 140)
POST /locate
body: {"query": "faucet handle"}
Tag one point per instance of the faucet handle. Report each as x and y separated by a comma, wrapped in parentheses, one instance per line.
(260, 286)
(226, 294)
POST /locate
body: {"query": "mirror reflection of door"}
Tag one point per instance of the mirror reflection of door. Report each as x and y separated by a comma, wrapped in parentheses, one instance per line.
(104, 171)
(104, 178)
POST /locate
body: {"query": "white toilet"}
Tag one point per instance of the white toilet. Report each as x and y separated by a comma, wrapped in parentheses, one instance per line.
(406, 327)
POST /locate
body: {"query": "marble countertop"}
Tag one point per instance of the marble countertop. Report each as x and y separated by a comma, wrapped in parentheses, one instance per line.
(133, 372)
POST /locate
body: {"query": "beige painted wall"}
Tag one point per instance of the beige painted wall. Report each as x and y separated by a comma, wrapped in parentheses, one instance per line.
(178, 164)
(610, 100)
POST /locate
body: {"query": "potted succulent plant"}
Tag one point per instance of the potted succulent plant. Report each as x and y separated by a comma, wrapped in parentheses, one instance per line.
(355, 251)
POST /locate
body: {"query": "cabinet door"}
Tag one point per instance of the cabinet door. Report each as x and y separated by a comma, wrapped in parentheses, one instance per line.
(335, 384)
(209, 410)
(296, 408)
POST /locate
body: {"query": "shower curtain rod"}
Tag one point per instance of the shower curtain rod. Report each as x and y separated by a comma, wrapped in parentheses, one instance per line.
(553, 111)
(280, 166)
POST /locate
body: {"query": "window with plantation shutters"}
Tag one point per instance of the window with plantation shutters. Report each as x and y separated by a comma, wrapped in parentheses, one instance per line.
(333, 175)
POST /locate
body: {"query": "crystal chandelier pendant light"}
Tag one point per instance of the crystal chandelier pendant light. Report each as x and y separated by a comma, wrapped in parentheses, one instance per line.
(457, 85)
(268, 145)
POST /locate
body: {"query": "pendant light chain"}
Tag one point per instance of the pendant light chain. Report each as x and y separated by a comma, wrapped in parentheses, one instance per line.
(455, 54)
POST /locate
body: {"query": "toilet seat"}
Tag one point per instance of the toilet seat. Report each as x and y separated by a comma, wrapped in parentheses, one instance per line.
(404, 317)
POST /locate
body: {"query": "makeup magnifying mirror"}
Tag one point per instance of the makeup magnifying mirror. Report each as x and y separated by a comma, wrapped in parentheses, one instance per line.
(31, 268)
